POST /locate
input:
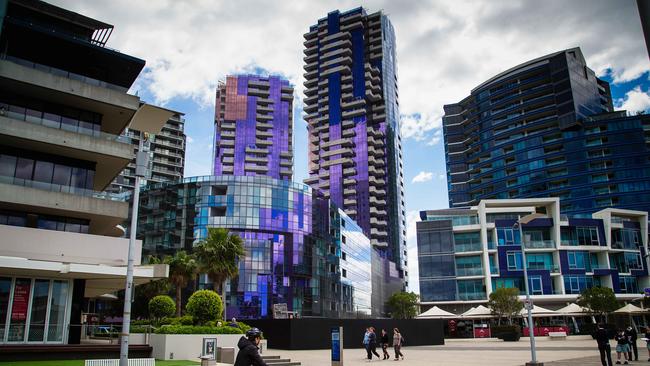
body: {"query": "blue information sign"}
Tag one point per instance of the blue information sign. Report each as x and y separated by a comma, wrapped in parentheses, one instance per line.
(647, 291)
(336, 345)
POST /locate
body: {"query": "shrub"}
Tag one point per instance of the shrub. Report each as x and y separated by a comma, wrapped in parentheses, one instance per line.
(507, 332)
(161, 306)
(139, 329)
(204, 305)
(196, 329)
(183, 320)
(243, 326)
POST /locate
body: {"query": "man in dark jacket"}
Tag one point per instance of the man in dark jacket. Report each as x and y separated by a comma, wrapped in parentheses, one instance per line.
(249, 354)
(603, 345)
(632, 336)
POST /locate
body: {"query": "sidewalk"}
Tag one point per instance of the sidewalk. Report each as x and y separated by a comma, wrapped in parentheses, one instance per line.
(570, 352)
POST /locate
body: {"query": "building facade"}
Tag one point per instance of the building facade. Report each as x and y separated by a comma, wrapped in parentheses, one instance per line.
(63, 106)
(465, 254)
(351, 101)
(166, 156)
(546, 128)
(253, 127)
(301, 250)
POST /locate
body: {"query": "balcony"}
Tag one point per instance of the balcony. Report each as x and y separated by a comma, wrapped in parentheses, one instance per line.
(104, 211)
(116, 107)
(553, 268)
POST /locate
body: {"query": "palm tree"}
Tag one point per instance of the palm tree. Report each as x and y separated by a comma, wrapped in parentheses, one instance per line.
(182, 268)
(217, 256)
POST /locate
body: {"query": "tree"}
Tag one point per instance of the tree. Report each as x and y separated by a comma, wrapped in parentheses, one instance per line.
(504, 303)
(204, 306)
(598, 300)
(403, 305)
(217, 256)
(182, 268)
(161, 306)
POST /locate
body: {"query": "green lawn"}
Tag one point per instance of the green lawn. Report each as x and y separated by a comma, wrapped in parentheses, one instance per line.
(81, 363)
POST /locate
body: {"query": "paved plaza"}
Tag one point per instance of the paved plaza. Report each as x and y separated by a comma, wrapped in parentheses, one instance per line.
(575, 351)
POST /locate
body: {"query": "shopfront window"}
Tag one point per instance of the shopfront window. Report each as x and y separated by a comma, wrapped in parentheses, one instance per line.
(19, 304)
(5, 291)
(34, 310)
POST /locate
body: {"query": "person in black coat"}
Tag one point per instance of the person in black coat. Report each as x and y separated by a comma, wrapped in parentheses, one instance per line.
(632, 336)
(384, 344)
(603, 345)
(249, 353)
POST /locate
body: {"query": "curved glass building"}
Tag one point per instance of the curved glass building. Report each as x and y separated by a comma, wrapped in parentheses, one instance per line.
(547, 128)
(301, 250)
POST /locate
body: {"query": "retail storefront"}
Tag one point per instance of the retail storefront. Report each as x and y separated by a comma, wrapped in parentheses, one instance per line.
(34, 310)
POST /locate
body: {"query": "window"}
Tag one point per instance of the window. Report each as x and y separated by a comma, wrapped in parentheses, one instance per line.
(508, 236)
(343, 238)
(587, 235)
(515, 262)
(535, 285)
(345, 273)
(343, 256)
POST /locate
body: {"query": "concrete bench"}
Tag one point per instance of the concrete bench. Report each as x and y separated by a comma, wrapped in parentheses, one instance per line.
(557, 335)
(132, 362)
(226, 355)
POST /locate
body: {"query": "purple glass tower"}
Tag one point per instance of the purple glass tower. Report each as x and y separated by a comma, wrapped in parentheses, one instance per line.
(351, 101)
(253, 127)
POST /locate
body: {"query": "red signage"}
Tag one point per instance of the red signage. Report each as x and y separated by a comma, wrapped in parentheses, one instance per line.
(21, 299)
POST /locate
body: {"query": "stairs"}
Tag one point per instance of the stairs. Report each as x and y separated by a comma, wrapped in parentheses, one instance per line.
(278, 361)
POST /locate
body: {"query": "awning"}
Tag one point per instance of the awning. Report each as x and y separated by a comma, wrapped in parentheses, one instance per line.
(538, 312)
(630, 309)
(436, 313)
(573, 310)
(478, 312)
(100, 279)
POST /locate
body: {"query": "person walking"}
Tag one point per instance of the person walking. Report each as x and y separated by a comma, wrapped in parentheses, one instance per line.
(603, 346)
(397, 344)
(384, 344)
(366, 344)
(373, 343)
(622, 346)
(249, 352)
(632, 336)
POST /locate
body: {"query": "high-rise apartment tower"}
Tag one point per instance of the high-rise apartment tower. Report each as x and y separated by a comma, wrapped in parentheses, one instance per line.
(253, 127)
(351, 101)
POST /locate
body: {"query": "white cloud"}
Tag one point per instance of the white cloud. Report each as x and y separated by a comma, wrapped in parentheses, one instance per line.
(437, 137)
(422, 177)
(635, 100)
(444, 49)
(412, 247)
(189, 139)
(442, 176)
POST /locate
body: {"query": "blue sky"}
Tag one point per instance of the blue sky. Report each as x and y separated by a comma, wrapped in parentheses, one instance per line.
(444, 49)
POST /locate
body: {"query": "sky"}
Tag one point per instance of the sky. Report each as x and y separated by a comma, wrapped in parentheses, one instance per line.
(444, 49)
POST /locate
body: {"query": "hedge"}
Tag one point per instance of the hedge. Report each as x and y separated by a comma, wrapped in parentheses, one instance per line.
(194, 329)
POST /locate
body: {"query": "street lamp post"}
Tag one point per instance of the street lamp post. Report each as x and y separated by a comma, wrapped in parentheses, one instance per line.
(529, 305)
(141, 162)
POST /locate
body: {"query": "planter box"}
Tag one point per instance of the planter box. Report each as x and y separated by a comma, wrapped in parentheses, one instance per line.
(138, 338)
(187, 346)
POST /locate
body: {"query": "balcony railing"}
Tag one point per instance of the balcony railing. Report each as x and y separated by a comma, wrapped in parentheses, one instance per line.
(60, 188)
(539, 244)
(548, 267)
(471, 271)
(59, 122)
(468, 247)
(624, 245)
(466, 296)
